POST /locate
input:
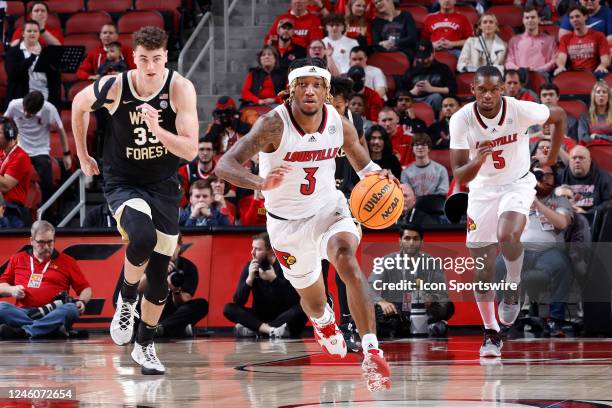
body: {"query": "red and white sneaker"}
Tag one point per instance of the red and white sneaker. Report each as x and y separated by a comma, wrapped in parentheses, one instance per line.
(330, 339)
(376, 371)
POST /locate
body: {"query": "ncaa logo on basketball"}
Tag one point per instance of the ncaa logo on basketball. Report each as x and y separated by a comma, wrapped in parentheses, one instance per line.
(391, 208)
(163, 104)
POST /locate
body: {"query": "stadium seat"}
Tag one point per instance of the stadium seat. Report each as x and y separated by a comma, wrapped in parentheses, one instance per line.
(134, 20)
(87, 22)
(56, 146)
(34, 194)
(509, 14)
(65, 6)
(418, 13)
(56, 171)
(602, 155)
(391, 63)
(551, 29)
(125, 39)
(575, 84)
(15, 8)
(447, 58)
(574, 107)
(412, 3)
(66, 117)
(89, 41)
(391, 86)
(53, 21)
(115, 6)
(536, 80)
(468, 11)
(171, 6)
(464, 81)
(442, 157)
(506, 32)
(423, 111)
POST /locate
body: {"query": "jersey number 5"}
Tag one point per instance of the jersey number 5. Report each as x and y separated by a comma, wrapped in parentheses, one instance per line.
(498, 161)
(308, 189)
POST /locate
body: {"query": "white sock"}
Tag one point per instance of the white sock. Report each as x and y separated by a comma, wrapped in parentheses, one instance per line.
(368, 342)
(514, 268)
(486, 305)
(326, 318)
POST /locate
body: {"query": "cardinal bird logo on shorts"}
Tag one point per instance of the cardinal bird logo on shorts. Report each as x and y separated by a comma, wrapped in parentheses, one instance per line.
(471, 225)
(285, 258)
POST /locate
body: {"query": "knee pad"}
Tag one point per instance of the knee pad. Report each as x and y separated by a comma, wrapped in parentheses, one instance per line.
(141, 233)
(156, 291)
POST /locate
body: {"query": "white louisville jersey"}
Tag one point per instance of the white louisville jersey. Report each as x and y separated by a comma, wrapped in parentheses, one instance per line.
(311, 184)
(511, 157)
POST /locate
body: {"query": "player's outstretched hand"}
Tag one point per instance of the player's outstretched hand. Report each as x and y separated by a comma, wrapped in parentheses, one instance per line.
(275, 177)
(384, 173)
(89, 166)
(484, 149)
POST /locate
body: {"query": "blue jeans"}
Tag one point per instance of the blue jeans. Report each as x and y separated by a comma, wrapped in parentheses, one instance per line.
(18, 317)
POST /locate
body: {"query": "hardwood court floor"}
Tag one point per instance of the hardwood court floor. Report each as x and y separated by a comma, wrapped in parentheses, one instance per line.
(569, 373)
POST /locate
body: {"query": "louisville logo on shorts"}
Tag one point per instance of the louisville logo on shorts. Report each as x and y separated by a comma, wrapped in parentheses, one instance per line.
(471, 225)
(285, 258)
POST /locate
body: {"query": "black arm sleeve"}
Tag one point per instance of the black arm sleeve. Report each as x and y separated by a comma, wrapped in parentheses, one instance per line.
(242, 290)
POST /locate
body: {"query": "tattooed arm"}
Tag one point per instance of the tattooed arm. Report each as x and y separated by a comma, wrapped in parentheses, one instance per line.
(265, 136)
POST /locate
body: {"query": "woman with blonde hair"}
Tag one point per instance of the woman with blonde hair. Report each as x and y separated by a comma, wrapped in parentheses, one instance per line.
(358, 24)
(485, 48)
(596, 126)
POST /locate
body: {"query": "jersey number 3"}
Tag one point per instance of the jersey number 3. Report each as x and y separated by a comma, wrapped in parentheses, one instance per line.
(498, 161)
(308, 189)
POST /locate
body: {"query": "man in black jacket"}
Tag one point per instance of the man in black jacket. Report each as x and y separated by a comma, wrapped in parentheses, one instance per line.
(276, 309)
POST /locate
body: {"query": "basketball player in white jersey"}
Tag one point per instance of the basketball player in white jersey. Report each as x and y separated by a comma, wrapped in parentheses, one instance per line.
(308, 218)
(490, 151)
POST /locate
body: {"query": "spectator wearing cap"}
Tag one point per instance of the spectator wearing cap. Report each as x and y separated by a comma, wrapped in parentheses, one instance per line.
(429, 80)
(440, 135)
(373, 103)
(425, 176)
(306, 25)
(96, 57)
(287, 50)
(447, 29)
(340, 44)
(407, 116)
(264, 82)
(374, 77)
(226, 127)
(15, 173)
(514, 87)
(392, 29)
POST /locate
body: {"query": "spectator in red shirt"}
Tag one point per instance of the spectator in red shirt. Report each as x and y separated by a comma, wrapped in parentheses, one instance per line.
(307, 26)
(39, 12)
(358, 23)
(252, 209)
(96, 57)
(200, 168)
(373, 101)
(401, 136)
(514, 87)
(15, 173)
(447, 29)
(586, 49)
(264, 82)
(35, 277)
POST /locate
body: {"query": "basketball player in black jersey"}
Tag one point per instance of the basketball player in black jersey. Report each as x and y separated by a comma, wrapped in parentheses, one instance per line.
(153, 125)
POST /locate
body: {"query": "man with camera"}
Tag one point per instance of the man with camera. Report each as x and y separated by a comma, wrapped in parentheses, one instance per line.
(39, 278)
(276, 310)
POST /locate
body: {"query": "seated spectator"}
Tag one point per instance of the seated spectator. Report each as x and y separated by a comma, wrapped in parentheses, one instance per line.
(34, 118)
(200, 168)
(407, 116)
(99, 216)
(514, 88)
(317, 49)
(401, 135)
(596, 125)
(425, 176)
(534, 50)
(485, 48)
(226, 127)
(590, 184)
(221, 190)
(412, 214)
(252, 209)
(393, 29)
(549, 96)
(429, 80)
(264, 82)
(338, 42)
(583, 49)
(357, 105)
(36, 277)
(541, 150)
(306, 25)
(15, 174)
(358, 25)
(96, 57)
(374, 77)
(381, 150)
(439, 132)
(393, 306)
(599, 18)
(114, 62)
(373, 103)
(276, 310)
(39, 12)
(201, 211)
(287, 50)
(447, 29)
(20, 61)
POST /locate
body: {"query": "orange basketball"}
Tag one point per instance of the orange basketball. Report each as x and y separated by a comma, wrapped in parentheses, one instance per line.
(376, 203)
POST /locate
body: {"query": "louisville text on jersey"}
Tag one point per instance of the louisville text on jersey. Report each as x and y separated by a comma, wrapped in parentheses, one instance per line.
(502, 140)
(312, 155)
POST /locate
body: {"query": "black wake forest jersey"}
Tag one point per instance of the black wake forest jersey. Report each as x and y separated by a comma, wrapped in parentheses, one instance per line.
(132, 153)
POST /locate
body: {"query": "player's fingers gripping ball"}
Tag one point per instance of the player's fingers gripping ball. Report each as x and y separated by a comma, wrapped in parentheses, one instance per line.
(376, 203)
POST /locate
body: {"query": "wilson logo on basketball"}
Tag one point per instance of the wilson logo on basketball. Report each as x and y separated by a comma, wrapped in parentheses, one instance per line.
(376, 197)
(391, 208)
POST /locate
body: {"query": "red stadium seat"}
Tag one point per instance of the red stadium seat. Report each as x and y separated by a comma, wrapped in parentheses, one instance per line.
(89, 41)
(411, 3)
(56, 172)
(510, 15)
(15, 8)
(423, 111)
(391, 86)
(468, 11)
(34, 194)
(447, 58)
(418, 13)
(65, 6)
(56, 146)
(574, 107)
(536, 80)
(53, 21)
(66, 117)
(125, 39)
(87, 22)
(551, 29)
(575, 83)
(464, 81)
(134, 20)
(442, 157)
(602, 155)
(506, 32)
(172, 6)
(391, 63)
(115, 6)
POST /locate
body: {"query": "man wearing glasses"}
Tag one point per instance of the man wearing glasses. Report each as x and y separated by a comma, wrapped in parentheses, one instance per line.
(36, 278)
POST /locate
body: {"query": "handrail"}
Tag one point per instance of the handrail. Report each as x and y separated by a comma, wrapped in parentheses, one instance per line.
(227, 11)
(80, 205)
(208, 47)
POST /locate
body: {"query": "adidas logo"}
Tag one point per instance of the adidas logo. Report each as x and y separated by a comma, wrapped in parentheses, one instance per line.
(313, 69)
(493, 130)
(312, 139)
